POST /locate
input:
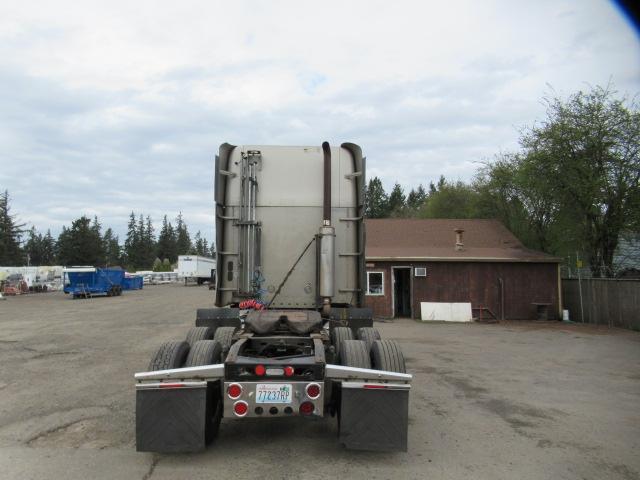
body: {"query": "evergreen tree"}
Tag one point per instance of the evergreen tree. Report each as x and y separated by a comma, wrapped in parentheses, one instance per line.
(111, 247)
(33, 247)
(142, 263)
(132, 244)
(183, 241)
(167, 242)
(81, 244)
(39, 249)
(416, 199)
(10, 234)
(148, 243)
(377, 201)
(48, 249)
(200, 246)
(396, 201)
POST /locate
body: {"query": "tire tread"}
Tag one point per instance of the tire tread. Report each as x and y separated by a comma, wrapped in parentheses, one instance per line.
(354, 353)
(169, 355)
(387, 355)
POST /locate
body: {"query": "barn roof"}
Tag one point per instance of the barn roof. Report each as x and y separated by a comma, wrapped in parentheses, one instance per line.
(435, 240)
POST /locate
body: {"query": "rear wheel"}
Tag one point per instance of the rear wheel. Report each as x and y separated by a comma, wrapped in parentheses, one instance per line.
(368, 335)
(339, 335)
(199, 333)
(169, 355)
(386, 355)
(224, 335)
(203, 352)
(354, 353)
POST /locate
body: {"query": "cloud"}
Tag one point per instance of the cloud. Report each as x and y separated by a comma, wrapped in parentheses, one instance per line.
(120, 106)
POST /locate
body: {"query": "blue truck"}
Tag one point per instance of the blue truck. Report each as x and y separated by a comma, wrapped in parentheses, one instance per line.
(85, 282)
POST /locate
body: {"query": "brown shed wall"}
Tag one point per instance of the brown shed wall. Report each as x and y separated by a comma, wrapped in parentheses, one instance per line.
(478, 283)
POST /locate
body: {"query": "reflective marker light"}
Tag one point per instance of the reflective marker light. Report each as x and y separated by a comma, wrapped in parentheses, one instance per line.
(234, 390)
(313, 391)
(288, 371)
(306, 408)
(260, 370)
(240, 408)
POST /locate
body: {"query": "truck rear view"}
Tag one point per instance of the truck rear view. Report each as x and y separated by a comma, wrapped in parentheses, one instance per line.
(289, 334)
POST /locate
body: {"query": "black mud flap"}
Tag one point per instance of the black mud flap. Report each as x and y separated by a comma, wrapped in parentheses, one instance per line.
(218, 317)
(172, 420)
(374, 419)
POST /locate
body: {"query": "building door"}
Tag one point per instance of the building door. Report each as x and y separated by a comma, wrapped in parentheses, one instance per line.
(401, 291)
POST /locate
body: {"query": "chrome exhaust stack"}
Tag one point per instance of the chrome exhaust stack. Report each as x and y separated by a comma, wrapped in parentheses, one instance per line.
(327, 240)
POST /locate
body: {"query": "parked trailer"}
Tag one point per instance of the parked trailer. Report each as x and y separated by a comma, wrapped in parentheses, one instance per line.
(132, 282)
(86, 282)
(196, 268)
(290, 240)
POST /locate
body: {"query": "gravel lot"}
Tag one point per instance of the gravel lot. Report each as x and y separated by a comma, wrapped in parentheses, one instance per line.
(516, 400)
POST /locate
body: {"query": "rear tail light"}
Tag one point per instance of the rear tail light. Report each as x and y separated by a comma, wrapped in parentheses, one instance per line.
(289, 371)
(313, 391)
(234, 391)
(306, 408)
(240, 408)
(260, 370)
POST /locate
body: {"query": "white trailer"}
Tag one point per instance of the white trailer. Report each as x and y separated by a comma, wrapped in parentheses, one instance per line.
(196, 268)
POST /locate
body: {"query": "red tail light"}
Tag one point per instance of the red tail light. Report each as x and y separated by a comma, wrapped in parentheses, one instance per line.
(288, 371)
(260, 370)
(307, 408)
(313, 391)
(240, 408)
(234, 391)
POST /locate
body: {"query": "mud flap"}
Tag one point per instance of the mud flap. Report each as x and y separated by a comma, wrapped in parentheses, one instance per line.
(218, 317)
(171, 420)
(373, 418)
(353, 318)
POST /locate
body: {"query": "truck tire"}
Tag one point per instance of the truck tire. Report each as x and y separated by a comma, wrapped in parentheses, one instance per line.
(199, 333)
(368, 335)
(354, 353)
(169, 355)
(224, 335)
(339, 335)
(386, 355)
(203, 352)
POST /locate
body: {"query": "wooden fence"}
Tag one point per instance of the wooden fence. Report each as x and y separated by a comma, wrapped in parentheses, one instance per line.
(605, 301)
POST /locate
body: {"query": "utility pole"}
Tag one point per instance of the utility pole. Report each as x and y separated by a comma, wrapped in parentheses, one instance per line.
(579, 266)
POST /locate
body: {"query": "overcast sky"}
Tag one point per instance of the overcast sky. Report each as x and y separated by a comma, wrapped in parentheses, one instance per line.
(110, 107)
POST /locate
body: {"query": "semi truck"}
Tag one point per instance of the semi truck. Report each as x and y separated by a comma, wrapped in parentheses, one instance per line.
(289, 334)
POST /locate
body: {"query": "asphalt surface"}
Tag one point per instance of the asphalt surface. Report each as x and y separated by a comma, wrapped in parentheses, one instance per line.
(515, 400)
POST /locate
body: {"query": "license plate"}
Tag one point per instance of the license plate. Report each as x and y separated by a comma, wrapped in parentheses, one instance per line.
(273, 393)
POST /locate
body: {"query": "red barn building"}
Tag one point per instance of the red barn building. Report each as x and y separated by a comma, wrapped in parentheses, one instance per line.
(409, 261)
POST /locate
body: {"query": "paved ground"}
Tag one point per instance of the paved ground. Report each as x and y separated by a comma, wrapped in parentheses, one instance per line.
(526, 401)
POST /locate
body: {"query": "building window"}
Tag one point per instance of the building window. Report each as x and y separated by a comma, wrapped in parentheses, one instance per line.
(420, 272)
(375, 283)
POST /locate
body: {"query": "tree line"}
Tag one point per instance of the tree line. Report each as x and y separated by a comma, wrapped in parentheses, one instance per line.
(571, 189)
(85, 243)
